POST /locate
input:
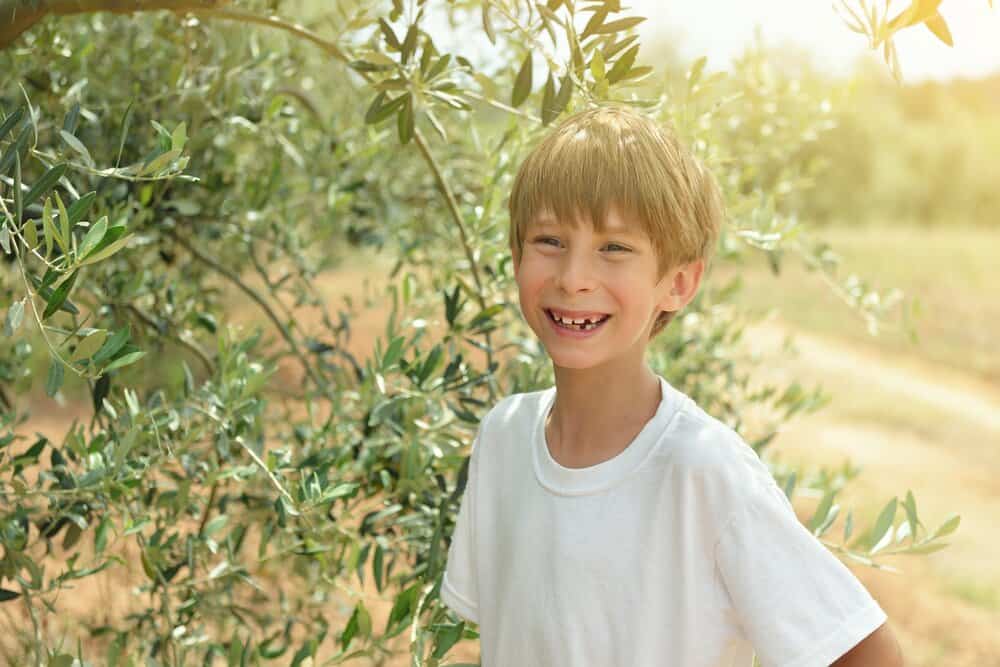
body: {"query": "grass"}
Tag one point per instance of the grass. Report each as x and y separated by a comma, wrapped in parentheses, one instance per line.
(949, 270)
(977, 593)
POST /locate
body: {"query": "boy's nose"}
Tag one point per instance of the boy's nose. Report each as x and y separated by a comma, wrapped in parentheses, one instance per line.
(575, 273)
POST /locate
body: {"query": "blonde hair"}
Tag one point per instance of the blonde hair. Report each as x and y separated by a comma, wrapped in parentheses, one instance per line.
(614, 156)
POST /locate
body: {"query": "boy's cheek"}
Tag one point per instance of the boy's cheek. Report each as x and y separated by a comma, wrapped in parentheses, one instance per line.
(525, 280)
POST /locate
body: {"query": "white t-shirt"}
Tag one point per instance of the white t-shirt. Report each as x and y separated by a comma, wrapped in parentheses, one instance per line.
(681, 550)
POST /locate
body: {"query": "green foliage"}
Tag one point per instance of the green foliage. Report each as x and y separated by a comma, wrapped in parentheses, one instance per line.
(917, 173)
(258, 482)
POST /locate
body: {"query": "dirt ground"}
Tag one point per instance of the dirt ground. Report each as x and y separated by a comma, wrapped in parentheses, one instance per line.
(908, 423)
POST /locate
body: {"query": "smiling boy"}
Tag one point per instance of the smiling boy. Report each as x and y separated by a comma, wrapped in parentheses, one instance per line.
(609, 521)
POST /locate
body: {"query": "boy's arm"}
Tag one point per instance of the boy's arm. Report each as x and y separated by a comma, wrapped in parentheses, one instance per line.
(879, 649)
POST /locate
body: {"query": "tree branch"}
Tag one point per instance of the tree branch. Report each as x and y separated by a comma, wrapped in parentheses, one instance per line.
(259, 300)
(152, 324)
(16, 16)
(456, 214)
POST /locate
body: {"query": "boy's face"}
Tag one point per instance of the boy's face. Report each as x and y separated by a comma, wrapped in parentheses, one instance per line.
(609, 279)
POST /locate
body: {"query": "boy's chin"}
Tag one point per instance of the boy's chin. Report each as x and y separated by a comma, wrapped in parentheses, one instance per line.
(576, 362)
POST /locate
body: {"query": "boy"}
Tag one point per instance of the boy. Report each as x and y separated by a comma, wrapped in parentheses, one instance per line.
(608, 521)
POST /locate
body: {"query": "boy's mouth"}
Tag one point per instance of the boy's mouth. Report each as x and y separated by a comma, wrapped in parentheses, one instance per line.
(585, 323)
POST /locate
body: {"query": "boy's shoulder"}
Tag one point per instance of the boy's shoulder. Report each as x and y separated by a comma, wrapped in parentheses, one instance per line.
(513, 409)
(704, 441)
(706, 449)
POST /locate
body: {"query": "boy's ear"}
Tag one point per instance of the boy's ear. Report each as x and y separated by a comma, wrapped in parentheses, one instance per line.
(681, 284)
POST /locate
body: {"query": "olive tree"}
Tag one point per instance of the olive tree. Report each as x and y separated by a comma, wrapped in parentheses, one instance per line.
(154, 166)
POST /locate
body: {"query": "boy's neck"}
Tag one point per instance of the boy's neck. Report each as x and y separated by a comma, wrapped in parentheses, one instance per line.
(596, 414)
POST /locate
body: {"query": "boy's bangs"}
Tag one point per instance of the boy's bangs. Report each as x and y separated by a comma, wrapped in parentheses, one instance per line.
(578, 182)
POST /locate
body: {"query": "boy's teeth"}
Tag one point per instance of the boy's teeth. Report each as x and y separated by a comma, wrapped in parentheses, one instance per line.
(585, 323)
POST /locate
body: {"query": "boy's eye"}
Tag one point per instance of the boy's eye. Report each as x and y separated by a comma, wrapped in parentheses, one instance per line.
(550, 240)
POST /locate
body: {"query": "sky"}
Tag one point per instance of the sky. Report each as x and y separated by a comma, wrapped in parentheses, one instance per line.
(719, 29)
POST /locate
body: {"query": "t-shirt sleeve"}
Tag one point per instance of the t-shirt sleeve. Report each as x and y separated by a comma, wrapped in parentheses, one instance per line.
(458, 587)
(798, 604)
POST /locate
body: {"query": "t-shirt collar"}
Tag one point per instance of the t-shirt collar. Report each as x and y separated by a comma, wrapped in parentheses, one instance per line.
(594, 479)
